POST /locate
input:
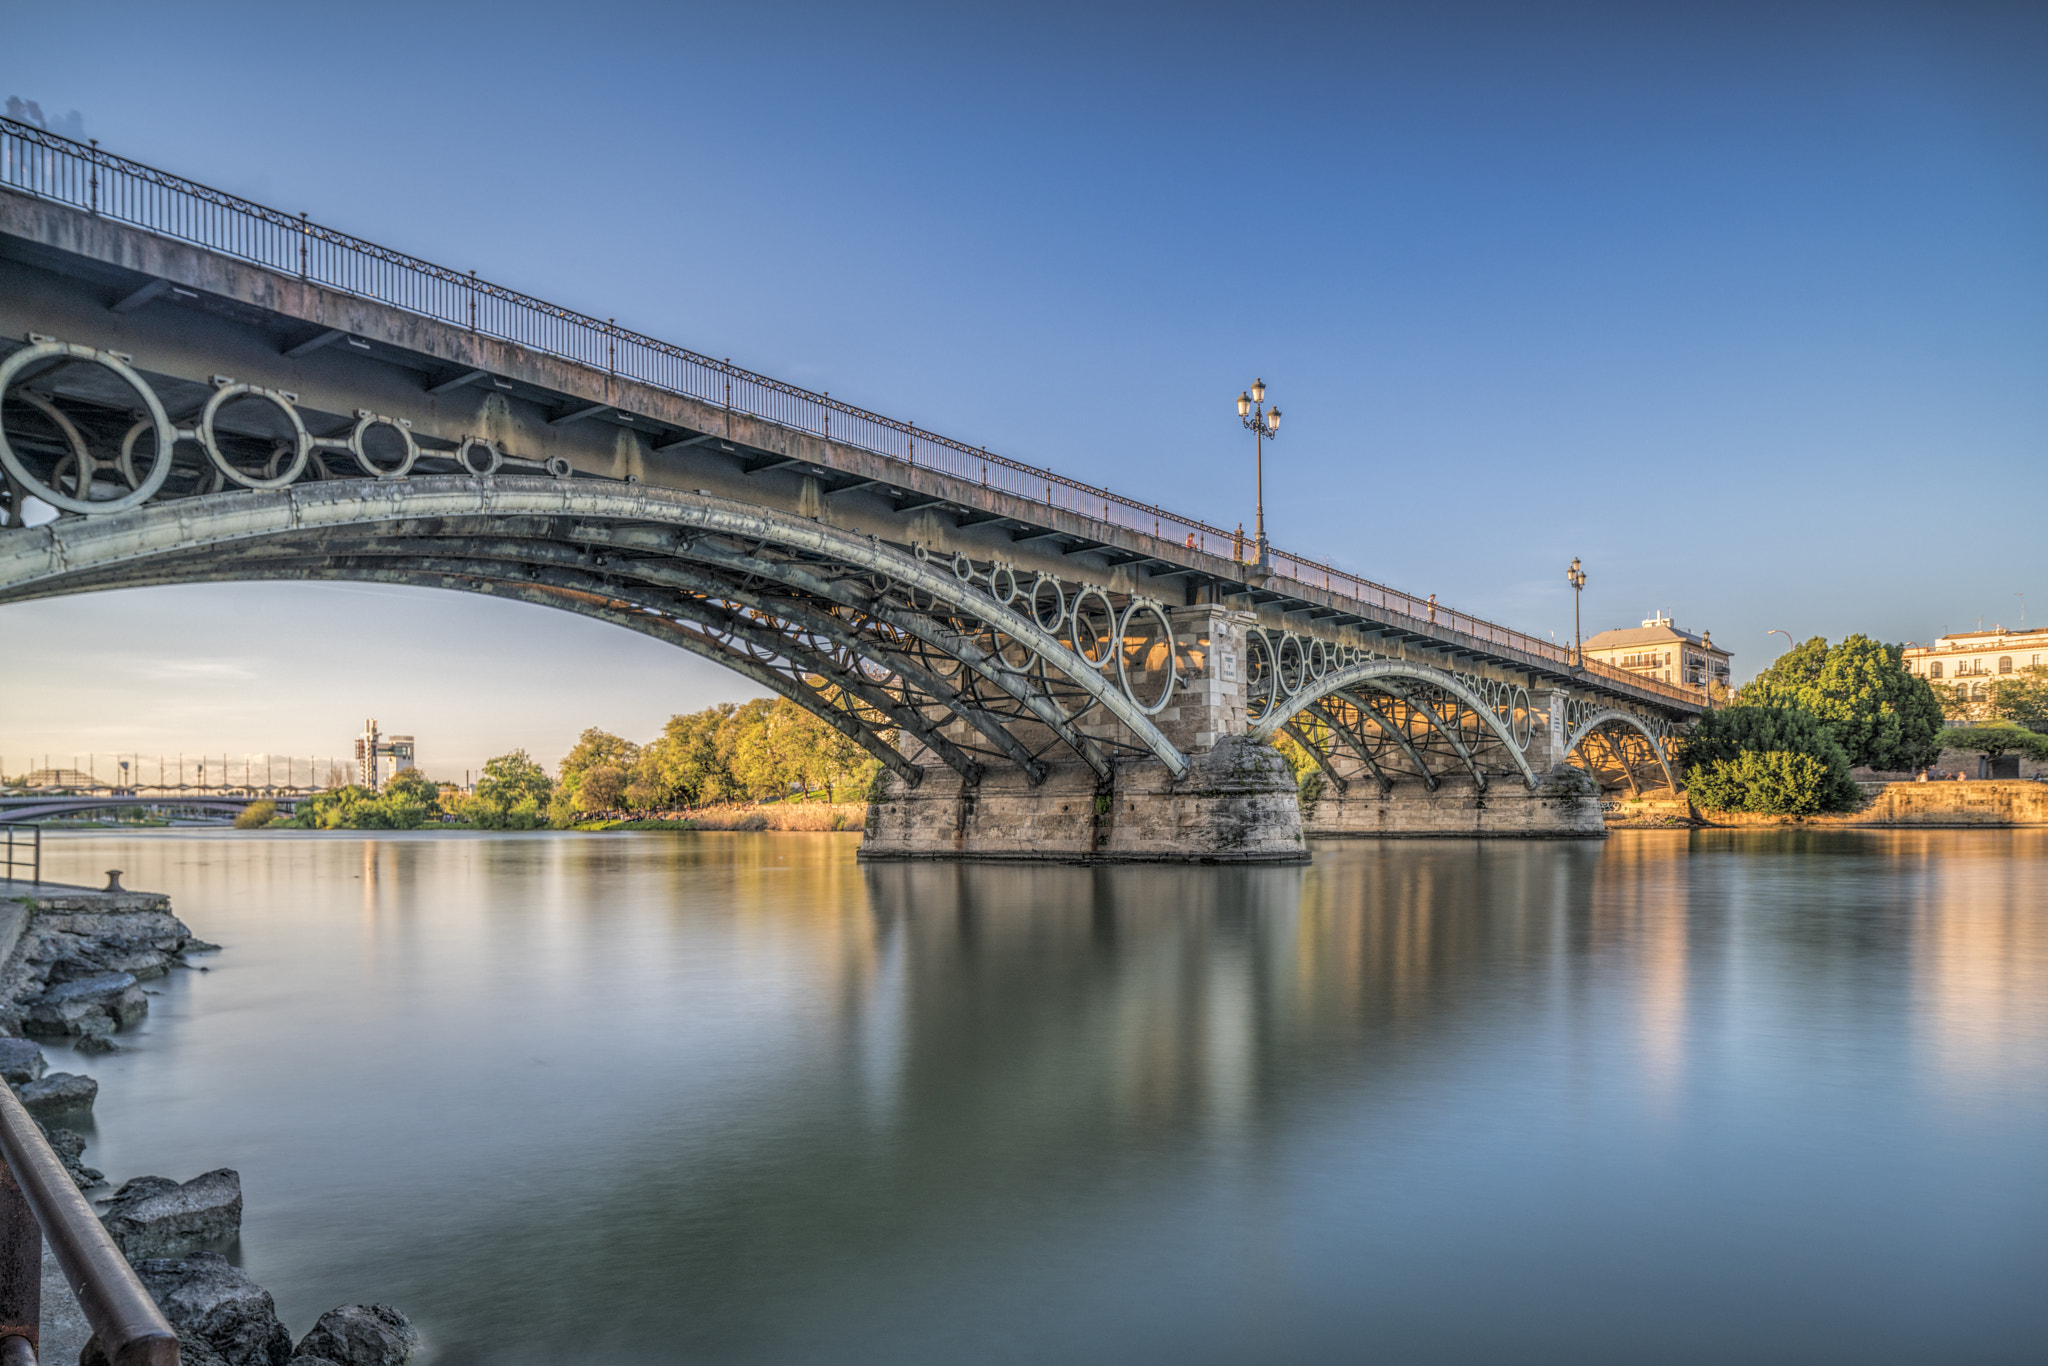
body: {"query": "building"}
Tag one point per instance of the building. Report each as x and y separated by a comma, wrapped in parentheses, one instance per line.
(1657, 649)
(380, 758)
(1965, 664)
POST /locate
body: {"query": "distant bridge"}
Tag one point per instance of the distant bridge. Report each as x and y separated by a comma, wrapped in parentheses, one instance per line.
(42, 806)
(206, 389)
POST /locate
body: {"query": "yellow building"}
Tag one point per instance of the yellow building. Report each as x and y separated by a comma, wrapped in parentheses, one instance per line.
(1658, 649)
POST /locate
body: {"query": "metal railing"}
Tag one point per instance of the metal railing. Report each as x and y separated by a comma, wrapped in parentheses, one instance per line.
(48, 166)
(21, 846)
(38, 1200)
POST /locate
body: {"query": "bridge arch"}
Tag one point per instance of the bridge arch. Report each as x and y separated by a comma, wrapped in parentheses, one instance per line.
(1406, 684)
(879, 642)
(1628, 756)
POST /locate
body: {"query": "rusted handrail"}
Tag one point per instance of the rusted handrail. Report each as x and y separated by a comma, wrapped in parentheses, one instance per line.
(38, 1199)
(10, 859)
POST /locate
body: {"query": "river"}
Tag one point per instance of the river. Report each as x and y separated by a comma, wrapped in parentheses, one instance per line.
(725, 1098)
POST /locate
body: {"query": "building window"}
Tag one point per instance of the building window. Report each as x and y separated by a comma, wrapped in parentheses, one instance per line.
(2034, 662)
(1934, 669)
(2005, 664)
(1976, 692)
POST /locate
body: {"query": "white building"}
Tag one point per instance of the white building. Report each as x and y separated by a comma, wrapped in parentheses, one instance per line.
(380, 758)
(1967, 663)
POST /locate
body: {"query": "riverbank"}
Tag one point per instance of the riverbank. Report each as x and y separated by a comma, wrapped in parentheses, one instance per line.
(1965, 805)
(749, 816)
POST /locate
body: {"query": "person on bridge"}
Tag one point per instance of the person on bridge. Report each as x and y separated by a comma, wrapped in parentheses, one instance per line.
(1432, 609)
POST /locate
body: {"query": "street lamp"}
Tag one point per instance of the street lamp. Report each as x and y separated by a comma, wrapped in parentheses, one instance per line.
(1265, 425)
(1576, 577)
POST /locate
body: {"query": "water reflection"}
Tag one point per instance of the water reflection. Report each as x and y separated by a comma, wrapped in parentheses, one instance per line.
(738, 1098)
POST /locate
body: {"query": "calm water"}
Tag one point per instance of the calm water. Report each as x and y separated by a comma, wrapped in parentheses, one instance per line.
(735, 1098)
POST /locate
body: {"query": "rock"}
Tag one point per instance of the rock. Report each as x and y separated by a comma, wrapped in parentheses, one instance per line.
(69, 1145)
(58, 1093)
(21, 1060)
(68, 1007)
(218, 1305)
(96, 1043)
(306, 1361)
(362, 1335)
(154, 1216)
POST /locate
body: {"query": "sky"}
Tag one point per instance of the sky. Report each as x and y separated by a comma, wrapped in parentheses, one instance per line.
(1744, 305)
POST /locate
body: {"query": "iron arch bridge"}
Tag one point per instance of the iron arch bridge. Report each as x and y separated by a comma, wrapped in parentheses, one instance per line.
(49, 806)
(888, 645)
(1400, 719)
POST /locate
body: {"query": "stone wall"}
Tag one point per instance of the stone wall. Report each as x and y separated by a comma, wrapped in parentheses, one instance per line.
(1564, 804)
(1951, 804)
(1236, 804)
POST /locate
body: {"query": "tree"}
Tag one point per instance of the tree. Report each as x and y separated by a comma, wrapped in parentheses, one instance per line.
(1778, 760)
(2022, 698)
(1882, 716)
(601, 789)
(511, 779)
(685, 763)
(256, 815)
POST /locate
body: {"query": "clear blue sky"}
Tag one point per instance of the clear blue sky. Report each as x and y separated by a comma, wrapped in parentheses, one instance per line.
(1745, 305)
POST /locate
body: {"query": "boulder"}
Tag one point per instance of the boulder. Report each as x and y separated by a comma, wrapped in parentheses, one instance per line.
(69, 1145)
(192, 1351)
(93, 1044)
(71, 1007)
(216, 1304)
(361, 1335)
(58, 1093)
(21, 1060)
(154, 1216)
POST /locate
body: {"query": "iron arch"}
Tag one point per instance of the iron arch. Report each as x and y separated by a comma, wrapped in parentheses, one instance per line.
(1610, 716)
(1385, 676)
(611, 550)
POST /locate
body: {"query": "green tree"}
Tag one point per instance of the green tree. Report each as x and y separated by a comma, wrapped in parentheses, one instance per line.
(686, 764)
(601, 787)
(2022, 698)
(1882, 716)
(511, 779)
(1766, 759)
(256, 815)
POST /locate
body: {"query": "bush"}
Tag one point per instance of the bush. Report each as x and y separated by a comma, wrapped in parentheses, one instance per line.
(1860, 692)
(256, 815)
(1771, 760)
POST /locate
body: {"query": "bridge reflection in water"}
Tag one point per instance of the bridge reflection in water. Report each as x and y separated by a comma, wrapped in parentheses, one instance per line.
(737, 1098)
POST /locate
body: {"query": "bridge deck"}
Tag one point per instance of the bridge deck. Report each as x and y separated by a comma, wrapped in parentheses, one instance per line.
(301, 300)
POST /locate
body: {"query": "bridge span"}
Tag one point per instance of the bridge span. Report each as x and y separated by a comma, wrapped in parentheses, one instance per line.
(200, 388)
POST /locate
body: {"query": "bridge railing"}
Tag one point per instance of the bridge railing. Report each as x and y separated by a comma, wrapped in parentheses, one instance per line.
(44, 164)
(21, 850)
(39, 1200)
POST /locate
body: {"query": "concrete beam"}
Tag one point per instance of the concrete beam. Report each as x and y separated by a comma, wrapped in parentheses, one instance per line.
(449, 386)
(578, 414)
(312, 344)
(155, 289)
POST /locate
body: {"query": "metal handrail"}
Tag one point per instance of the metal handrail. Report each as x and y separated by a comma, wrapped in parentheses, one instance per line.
(9, 860)
(49, 166)
(38, 1199)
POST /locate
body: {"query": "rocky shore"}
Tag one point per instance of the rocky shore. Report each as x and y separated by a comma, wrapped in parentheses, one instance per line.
(72, 964)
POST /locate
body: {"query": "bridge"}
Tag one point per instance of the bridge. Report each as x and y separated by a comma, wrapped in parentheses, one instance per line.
(225, 802)
(198, 388)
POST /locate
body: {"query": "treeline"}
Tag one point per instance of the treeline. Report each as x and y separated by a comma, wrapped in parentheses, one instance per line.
(763, 751)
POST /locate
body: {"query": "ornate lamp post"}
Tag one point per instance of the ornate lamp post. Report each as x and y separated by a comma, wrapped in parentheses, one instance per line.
(1576, 577)
(1265, 425)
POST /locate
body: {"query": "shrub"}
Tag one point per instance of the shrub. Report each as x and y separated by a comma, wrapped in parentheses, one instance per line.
(256, 815)
(1993, 741)
(1773, 760)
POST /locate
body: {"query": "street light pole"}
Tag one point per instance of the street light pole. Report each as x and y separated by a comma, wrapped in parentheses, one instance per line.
(1576, 577)
(1265, 425)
